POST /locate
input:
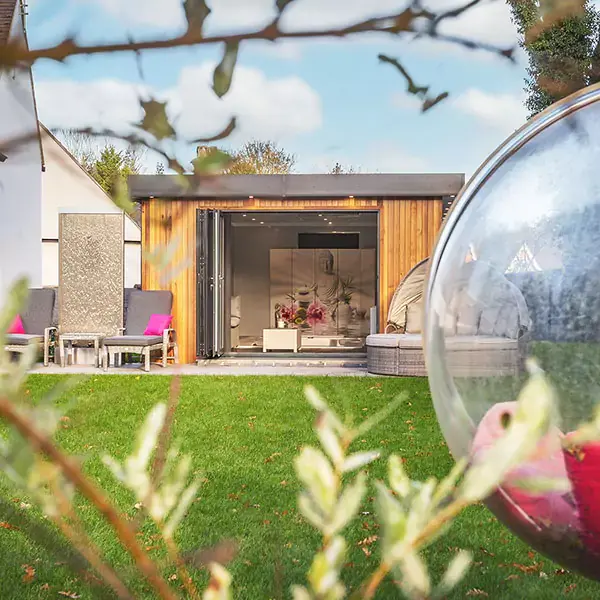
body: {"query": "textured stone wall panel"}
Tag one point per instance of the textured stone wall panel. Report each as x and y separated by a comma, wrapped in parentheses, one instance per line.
(91, 273)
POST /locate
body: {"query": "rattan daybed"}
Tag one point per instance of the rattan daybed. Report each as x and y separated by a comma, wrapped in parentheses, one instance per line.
(486, 337)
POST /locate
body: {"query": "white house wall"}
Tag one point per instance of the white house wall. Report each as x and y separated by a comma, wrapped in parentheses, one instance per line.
(20, 179)
(67, 188)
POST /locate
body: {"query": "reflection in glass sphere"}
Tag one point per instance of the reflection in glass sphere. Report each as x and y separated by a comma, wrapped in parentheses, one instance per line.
(516, 273)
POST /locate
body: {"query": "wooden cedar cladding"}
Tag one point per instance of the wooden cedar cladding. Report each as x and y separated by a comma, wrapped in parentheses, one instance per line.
(408, 229)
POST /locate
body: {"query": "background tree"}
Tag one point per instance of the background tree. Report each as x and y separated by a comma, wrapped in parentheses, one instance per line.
(339, 169)
(101, 158)
(261, 158)
(253, 158)
(563, 47)
(113, 165)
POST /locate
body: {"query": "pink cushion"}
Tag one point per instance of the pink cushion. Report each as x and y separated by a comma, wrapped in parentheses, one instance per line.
(16, 327)
(157, 324)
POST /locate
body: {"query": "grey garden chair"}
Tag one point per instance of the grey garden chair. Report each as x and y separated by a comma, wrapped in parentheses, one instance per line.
(140, 307)
(39, 321)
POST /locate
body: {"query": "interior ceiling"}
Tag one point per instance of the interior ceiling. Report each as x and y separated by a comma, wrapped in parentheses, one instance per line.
(304, 219)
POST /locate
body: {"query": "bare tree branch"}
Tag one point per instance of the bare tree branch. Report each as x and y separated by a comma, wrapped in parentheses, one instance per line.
(394, 24)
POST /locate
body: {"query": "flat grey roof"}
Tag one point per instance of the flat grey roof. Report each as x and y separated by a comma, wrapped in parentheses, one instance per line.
(144, 187)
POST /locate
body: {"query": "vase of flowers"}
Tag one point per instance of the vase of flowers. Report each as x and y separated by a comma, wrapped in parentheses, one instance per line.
(289, 315)
(316, 314)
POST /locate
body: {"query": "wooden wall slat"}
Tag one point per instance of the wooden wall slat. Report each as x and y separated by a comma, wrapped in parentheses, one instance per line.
(408, 229)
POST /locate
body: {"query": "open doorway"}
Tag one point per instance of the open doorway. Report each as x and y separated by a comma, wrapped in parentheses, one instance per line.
(301, 281)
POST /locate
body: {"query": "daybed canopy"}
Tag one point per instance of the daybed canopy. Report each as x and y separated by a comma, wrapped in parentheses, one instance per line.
(406, 307)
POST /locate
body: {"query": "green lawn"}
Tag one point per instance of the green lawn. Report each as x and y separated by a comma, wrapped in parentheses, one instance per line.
(243, 434)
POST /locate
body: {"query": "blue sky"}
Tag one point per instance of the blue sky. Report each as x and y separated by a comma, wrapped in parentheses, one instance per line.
(324, 101)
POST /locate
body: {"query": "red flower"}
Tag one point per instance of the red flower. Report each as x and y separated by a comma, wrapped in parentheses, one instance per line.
(315, 313)
(288, 313)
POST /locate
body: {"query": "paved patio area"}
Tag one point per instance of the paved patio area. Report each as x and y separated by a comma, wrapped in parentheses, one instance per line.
(233, 370)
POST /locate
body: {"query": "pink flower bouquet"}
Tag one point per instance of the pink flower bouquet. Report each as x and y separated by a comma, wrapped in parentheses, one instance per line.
(315, 314)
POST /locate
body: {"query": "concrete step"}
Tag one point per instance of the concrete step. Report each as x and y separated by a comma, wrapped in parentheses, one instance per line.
(349, 363)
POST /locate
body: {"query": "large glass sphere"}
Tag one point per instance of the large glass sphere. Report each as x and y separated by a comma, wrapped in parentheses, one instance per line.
(516, 274)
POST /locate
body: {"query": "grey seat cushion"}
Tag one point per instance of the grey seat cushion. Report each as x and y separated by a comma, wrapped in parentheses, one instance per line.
(133, 340)
(22, 339)
(39, 314)
(395, 340)
(142, 304)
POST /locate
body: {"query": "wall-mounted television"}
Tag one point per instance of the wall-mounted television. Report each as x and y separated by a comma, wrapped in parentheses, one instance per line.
(329, 241)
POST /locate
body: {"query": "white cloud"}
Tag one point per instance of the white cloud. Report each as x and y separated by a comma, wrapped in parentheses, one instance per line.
(274, 108)
(105, 103)
(388, 157)
(235, 14)
(405, 101)
(166, 14)
(487, 22)
(503, 112)
(377, 157)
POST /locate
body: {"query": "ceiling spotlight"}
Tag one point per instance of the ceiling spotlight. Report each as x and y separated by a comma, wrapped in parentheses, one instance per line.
(244, 215)
(253, 219)
(262, 222)
(350, 196)
(320, 215)
(250, 197)
(330, 223)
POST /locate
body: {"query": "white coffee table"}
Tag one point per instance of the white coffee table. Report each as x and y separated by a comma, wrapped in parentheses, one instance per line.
(282, 339)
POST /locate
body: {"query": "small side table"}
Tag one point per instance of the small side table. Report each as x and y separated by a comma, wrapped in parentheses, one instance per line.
(69, 338)
(282, 339)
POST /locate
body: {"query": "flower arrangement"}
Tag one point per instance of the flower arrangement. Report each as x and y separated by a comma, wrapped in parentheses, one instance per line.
(288, 314)
(296, 316)
(316, 314)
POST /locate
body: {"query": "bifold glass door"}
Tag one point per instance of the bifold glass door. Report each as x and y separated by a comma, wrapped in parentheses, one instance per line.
(210, 298)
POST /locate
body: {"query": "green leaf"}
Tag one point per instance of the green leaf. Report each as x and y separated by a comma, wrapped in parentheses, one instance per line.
(329, 440)
(457, 569)
(155, 121)
(539, 485)
(315, 472)
(415, 582)
(393, 519)
(359, 460)
(535, 414)
(324, 571)
(310, 511)
(317, 402)
(429, 103)
(219, 587)
(282, 4)
(421, 508)
(184, 504)
(223, 74)
(121, 197)
(299, 592)
(211, 163)
(196, 13)
(447, 485)
(348, 504)
(399, 480)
